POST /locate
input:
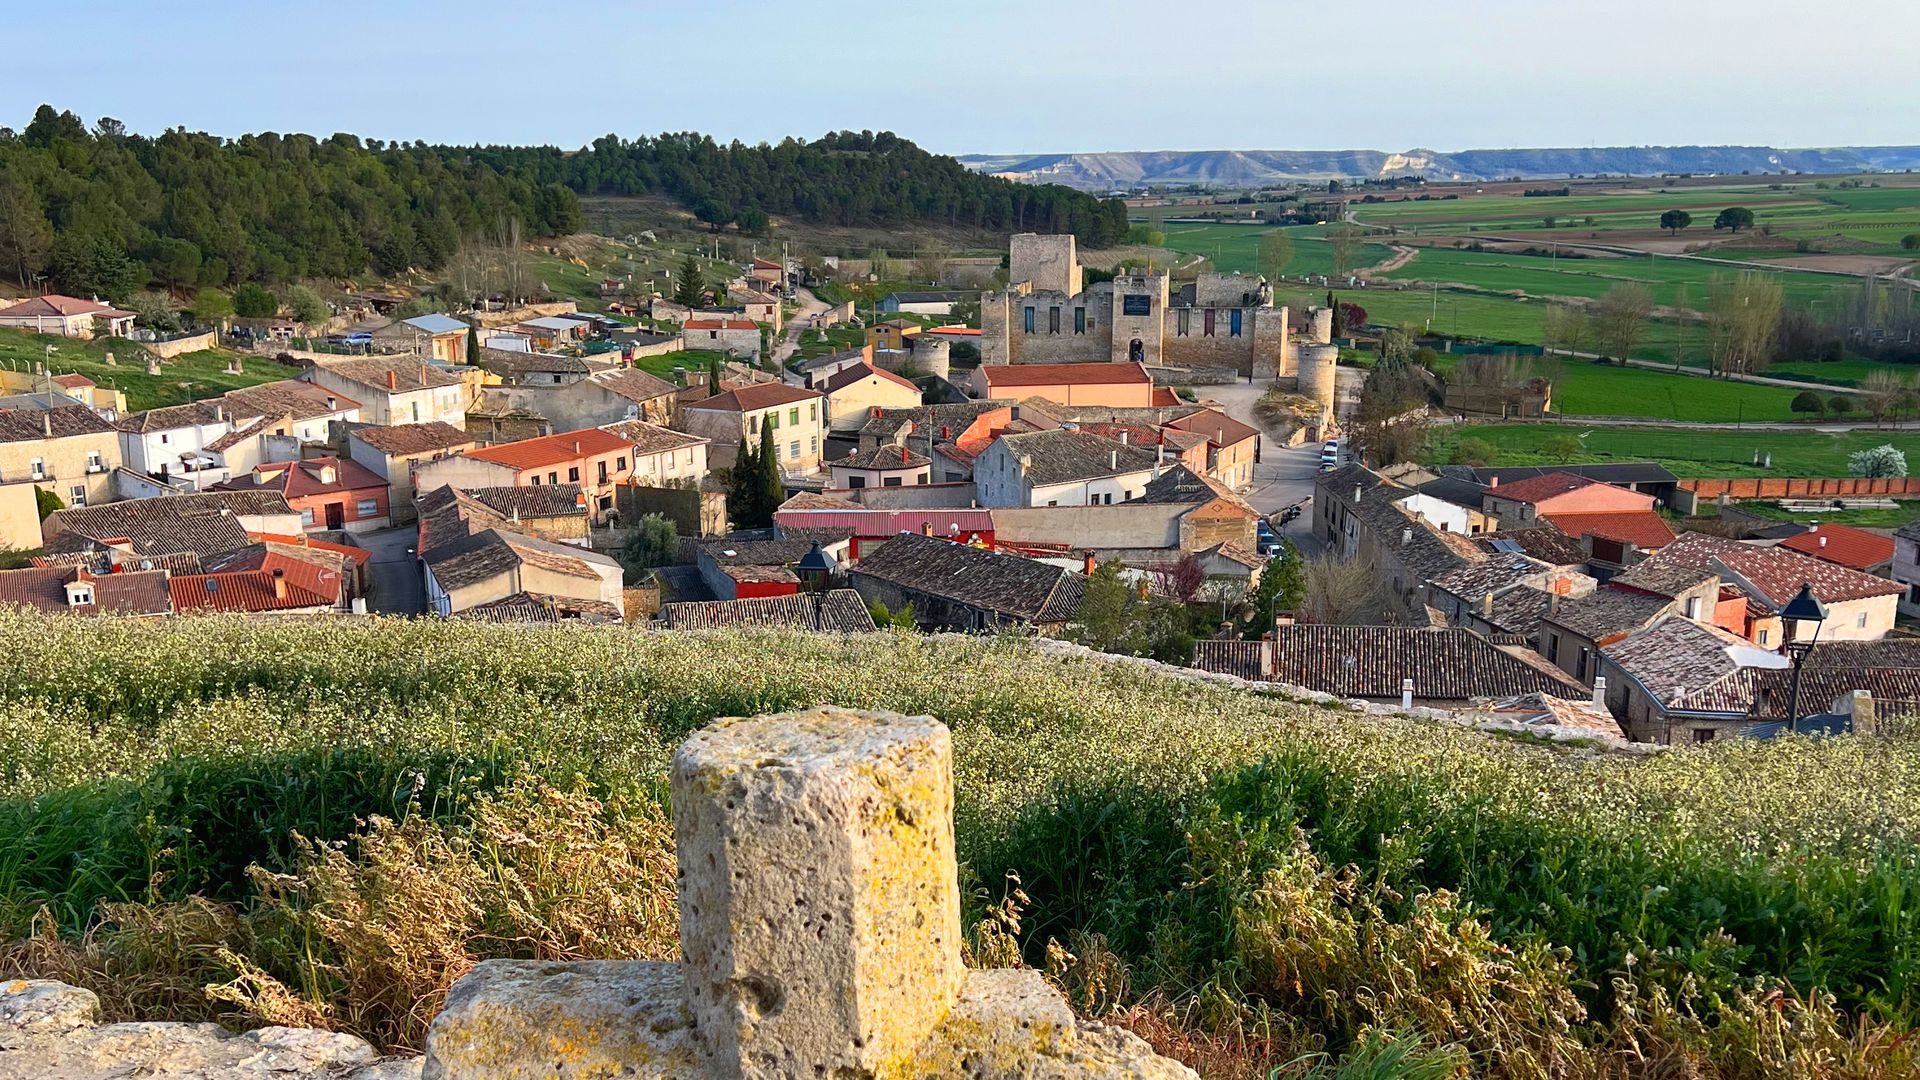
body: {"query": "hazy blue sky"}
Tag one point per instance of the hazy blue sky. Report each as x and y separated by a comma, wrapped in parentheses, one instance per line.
(990, 75)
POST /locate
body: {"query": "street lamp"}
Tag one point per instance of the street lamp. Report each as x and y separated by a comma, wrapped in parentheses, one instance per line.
(1804, 607)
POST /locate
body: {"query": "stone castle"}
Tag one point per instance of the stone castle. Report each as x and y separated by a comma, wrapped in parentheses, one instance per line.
(1221, 321)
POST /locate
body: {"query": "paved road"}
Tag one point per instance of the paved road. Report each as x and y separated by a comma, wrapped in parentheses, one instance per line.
(1285, 474)
(396, 588)
(802, 321)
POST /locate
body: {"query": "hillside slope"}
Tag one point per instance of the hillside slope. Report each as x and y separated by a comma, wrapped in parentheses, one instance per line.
(1246, 168)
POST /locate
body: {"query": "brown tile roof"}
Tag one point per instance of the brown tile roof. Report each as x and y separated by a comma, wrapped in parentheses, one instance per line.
(1677, 658)
(1606, 614)
(883, 457)
(203, 523)
(1776, 573)
(527, 607)
(401, 439)
(854, 373)
(1641, 528)
(728, 551)
(1662, 577)
(168, 417)
(33, 425)
(45, 589)
(482, 555)
(240, 434)
(1064, 457)
(1857, 549)
(1227, 656)
(1539, 710)
(720, 324)
(448, 515)
(1014, 376)
(1536, 488)
(289, 397)
(241, 591)
(299, 479)
(1445, 664)
(1543, 542)
(555, 449)
(835, 611)
(408, 373)
(1005, 585)
(651, 438)
(632, 384)
(1219, 428)
(756, 397)
(54, 304)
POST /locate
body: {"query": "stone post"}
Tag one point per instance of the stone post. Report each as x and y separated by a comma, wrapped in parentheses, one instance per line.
(819, 897)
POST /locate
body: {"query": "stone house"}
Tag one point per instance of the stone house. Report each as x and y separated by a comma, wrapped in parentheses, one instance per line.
(1670, 682)
(172, 442)
(855, 391)
(603, 397)
(836, 611)
(394, 390)
(735, 336)
(1061, 468)
(963, 588)
(1905, 567)
(1232, 447)
(499, 565)
(882, 466)
(662, 457)
(440, 338)
(1860, 607)
(797, 416)
(392, 453)
(1573, 634)
(1445, 666)
(592, 460)
(1356, 513)
(67, 316)
(69, 451)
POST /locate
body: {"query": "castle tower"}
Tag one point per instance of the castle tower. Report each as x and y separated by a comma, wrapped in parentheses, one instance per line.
(1049, 262)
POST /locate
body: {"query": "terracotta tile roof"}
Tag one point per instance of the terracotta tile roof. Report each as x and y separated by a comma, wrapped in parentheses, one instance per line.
(169, 417)
(1164, 396)
(1544, 542)
(555, 449)
(1677, 658)
(448, 515)
(45, 589)
(54, 304)
(1543, 710)
(289, 397)
(1535, 488)
(401, 439)
(1854, 548)
(240, 591)
(756, 397)
(632, 384)
(73, 382)
(527, 607)
(32, 425)
(1606, 614)
(346, 551)
(651, 438)
(1219, 428)
(1641, 528)
(1008, 586)
(1445, 664)
(1014, 376)
(1060, 456)
(720, 324)
(1662, 577)
(204, 523)
(853, 373)
(1227, 656)
(300, 479)
(883, 457)
(1774, 572)
(481, 555)
(240, 434)
(409, 374)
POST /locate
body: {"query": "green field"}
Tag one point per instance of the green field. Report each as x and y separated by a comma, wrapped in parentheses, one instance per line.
(181, 379)
(1236, 248)
(1585, 388)
(1686, 451)
(1903, 513)
(1545, 275)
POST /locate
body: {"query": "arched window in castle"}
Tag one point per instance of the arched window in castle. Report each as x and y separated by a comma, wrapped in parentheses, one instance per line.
(1233, 323)
(1183, 322)
(1053, 320)
(1079, 320)
(1206, 323)
(1028, 321)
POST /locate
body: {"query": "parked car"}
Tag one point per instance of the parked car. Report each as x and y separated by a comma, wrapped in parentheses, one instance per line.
(1330, 455)
(358, 337)
(1267, 542)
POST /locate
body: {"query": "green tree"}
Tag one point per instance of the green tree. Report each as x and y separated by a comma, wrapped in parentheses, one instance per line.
(210, 307)
(46, 502)
(1620, 318)
(1910, 242)
(689, 287)
(1563, 447)
(746, 490)
(1282, 586)
(1675, 220)
(715, 366)
(884, 619)
(1806, 401)
(306, 306)
(473, 344)
(250, 301)
(771, 476)
(174, 262)
(1472, 451)
(654, 542)
(25, 237)
(1734, 218)
(1878, 462)
(1840, 404)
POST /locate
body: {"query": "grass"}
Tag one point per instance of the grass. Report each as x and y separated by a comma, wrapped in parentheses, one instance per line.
(1545, 275)
(1589, 388)
(1702, 452)
(690, 359)
(1246, 879)
(183, 378)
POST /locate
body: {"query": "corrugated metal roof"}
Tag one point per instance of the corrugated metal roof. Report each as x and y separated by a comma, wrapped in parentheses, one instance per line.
(436, 324)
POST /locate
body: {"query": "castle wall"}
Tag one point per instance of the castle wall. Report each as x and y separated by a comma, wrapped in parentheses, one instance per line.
(1138, 313)
(1050, 262)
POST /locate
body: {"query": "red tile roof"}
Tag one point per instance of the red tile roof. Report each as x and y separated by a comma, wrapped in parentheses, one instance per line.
(1219, 428)
(72, 382)
(553, 449)
(853, 373)
(1535, 488)
(1641, 528)
(253, 590)
(298, 479)
(53, 304)
(358, 555)
(954, 331)
(1051, 374)
(1165, 398)
(720, 324)
(1777, 572)
(756, 397)
(1854, 548)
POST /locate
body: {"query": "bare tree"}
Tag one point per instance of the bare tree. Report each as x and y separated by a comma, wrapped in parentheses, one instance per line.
(1342, 592)
(1344, 243)
(931, 264)
(1565, 328)
(515, 277)
(1276, 252)
(1881, 394)
(1744, 313)
(1620, 318)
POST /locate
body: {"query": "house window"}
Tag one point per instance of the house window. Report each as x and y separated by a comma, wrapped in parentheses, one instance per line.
(793, 450)
(533, 481)
(1079, 320)
(573, 474)
(603, 471)
(93, 461)
(856, 481)
(889, 481)
(773, 420)
(1580, 664)
(1761, 638)
(815, 448)
(416, 412)
(1027, 323)
(620, 463)
(1126, 495)
(1702, 735)
(367, 508)
(1553, 648)
(306, 516)
(77, 495)
(1206, 323)
(1183, 321)
(1233, 323)
(1861, 622)
(753, 425)
(1693, 607)
(39, 466)
(813, 413)
(1053, 320)
(553, 478)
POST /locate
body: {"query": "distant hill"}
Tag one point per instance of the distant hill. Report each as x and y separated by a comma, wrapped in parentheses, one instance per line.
(1244, 168)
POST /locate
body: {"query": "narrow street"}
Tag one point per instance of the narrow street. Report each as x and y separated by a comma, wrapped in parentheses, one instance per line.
(395, 587)
(1284, 475)
(811, 307)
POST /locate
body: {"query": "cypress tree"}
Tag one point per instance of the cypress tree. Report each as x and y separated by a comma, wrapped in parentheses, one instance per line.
(775, 491)
(743, 485)
(473, 344)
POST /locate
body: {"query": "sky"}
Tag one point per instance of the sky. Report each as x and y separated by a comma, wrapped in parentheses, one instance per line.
(989, 76)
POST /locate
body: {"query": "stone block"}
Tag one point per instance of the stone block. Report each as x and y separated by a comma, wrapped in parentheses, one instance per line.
(819, 897)
(41, 1006)
(528, 1019)
(1010, 1025)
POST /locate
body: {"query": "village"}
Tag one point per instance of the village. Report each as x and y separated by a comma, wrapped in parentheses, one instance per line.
(1079, 448)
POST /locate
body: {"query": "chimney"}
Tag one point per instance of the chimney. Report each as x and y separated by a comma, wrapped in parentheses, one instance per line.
(1599, 691)
(1406, 536)
(926, 528)
(333, 404)
(903, 455)
(1406, 693)
(1087, 563)
(279, 583)
(393, 381)
(1126, 437)
(1113, 460)
(219, 411)
(946, 431)
(1486, 604)
(46, 423)
(1495, 482)
(1356, 494)
(1823, 541)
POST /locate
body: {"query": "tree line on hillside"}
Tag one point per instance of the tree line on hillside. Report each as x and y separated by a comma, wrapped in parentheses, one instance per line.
(844, 178)
(102, 211)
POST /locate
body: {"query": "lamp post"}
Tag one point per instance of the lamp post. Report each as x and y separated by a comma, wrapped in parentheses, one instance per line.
(1804, 607)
